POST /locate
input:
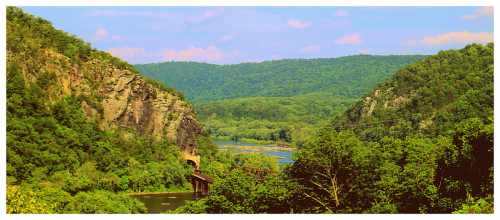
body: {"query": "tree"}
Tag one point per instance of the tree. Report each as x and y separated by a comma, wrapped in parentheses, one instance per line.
(24, 200)
(336, 172)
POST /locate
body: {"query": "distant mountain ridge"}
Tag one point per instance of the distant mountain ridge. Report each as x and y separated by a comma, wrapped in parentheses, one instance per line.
(343, 76)
(263, 100)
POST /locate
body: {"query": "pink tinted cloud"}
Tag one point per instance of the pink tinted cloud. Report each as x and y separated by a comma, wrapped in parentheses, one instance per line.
(117, 37)
(205, 15)
(127, 53)
(210, 53)
(226, 38)
(121, 13)
(458, 37)
(349, 39)
(209, 14)
(298, 24)
(101, 34)
(486, 11)
(190, 18)
(364, 51)
(341, 13)
(311, 49)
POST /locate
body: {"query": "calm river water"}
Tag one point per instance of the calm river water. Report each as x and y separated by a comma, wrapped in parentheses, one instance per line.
(284, 154)
(157, 203)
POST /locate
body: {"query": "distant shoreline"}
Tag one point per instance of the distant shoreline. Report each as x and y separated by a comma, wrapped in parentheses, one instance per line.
(257, 148)
(154, 193)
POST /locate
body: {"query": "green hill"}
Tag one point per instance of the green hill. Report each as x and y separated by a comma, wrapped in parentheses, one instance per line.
(261, 100)
(84, 128)
(420, 142)
(428, 97)
(349, 76)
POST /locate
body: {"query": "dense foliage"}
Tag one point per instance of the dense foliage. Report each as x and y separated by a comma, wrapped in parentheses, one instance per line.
(387, 160)
(341, 173)
(438, 111)
(349, 76)
(422, 142)
(58, 161)
(32, 37)
(258, 101)
(270, 119)
(54, 147)
(429, 97)
(244, 183)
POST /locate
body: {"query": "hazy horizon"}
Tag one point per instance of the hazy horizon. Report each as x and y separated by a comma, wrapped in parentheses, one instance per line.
(276, 60)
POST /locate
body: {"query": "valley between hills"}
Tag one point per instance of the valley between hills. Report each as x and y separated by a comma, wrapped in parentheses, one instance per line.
(87, 131)
(279, 101)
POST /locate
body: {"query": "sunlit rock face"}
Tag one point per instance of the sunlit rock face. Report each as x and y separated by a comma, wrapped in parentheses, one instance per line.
(116, 98)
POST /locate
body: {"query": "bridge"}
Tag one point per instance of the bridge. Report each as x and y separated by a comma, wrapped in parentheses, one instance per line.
(199, 181)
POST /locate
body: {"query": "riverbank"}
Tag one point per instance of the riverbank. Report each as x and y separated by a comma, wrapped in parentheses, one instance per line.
(155, 193)
(246, 140)
(258, 148)
(284, 154)
(159, 202)
(253, 145)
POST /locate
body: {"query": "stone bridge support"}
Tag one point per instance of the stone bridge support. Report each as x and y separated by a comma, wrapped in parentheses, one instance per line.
(192, 159)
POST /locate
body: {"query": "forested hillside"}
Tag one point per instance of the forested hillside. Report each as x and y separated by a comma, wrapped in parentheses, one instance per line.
(428, 97)
(275, 100)
(422, 142)
(349, 76)
(84, 127)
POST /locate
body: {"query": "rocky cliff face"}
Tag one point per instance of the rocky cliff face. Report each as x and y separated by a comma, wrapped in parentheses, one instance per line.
(429, 96)
(381, 99)
(114, 97)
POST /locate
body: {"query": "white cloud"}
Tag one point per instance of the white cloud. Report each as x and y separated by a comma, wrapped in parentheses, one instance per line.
(122, 13)
(101, 34)
(458, 37)
(349, 39)
(226, 38)
(210, 53)
(311, 49)
(117, 37)
(486, 11)
(341, 13)
(185, 17)
(364, 51)
(298, 24)
(205, 15)
(127, 53)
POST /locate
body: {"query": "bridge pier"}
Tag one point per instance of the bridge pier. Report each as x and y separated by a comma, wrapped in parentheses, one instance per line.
(200, 182)
(192, 159)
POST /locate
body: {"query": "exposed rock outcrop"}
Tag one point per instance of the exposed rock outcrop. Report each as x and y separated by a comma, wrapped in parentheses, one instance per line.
(120, 98)
(387, 97)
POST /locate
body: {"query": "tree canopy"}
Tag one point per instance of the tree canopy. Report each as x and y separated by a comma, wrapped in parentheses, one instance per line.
(257, 101)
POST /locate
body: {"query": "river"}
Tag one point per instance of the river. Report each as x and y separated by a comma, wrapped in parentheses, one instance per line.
(283, 154)
(161, 202)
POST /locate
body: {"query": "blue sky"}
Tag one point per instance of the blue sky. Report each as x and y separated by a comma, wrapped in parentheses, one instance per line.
(227, 35)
